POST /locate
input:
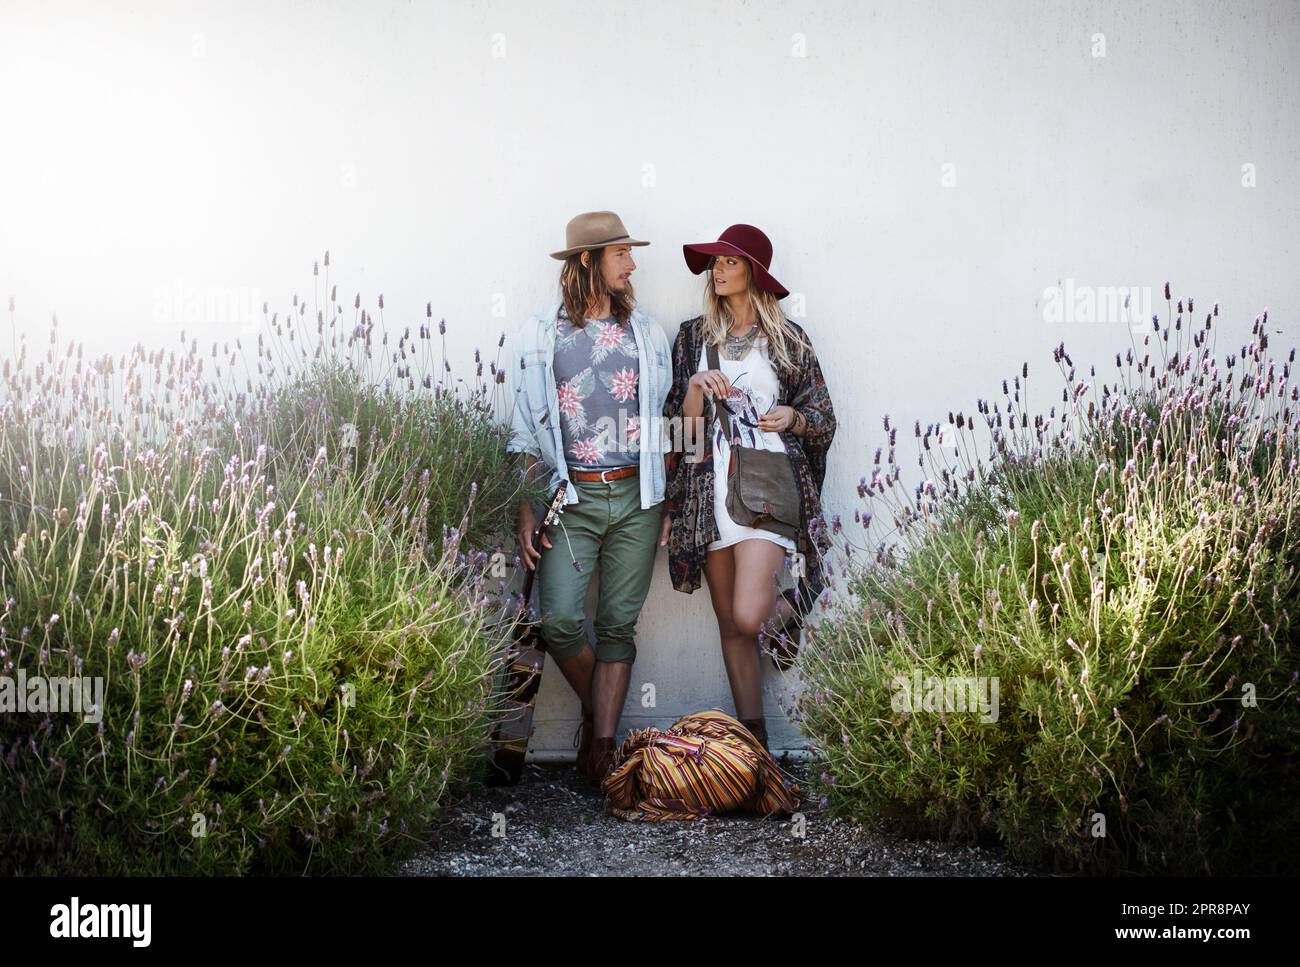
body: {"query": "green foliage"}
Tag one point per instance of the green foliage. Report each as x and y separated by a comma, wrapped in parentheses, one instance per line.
(292, 623)
(1128, 577)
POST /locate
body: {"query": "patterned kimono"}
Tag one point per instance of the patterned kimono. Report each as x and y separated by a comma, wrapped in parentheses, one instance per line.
(690, 485)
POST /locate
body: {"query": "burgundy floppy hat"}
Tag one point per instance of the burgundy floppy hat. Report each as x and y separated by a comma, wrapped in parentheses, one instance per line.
(747, 242)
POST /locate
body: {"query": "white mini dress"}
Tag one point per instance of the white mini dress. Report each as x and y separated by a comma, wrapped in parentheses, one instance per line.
(754, 390)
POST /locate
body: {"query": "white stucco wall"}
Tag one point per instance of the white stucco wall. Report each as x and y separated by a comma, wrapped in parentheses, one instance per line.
(926, 171)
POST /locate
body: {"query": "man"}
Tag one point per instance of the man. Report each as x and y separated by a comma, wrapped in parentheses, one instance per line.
(594, 372)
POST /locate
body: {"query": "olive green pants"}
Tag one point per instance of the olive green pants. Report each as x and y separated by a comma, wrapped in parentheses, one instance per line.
(606, 530)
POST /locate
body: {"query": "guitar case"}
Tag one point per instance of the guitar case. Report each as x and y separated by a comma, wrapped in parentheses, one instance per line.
(514, 727)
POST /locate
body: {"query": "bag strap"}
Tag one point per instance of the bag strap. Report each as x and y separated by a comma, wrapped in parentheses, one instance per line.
(711, 356)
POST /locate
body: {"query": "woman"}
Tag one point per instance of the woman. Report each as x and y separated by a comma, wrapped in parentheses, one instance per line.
(770, 395)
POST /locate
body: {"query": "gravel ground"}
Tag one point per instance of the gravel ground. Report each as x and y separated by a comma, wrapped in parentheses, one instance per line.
(554, 825)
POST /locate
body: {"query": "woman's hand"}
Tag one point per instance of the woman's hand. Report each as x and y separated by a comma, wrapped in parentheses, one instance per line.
(777, 420)
(665, 530)
(711, 382)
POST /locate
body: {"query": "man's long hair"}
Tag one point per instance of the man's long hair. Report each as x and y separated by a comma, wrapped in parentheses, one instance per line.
(583, 286)
(782, 340)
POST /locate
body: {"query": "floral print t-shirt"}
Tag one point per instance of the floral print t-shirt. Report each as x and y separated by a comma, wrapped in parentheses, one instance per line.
(598, 375)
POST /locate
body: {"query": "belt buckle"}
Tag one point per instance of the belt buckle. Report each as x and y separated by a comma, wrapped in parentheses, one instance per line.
(602, 475)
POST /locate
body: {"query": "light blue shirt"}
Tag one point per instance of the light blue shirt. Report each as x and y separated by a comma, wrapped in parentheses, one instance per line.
(535, 426)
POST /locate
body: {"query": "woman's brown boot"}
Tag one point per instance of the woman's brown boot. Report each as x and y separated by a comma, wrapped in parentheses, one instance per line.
(759, 729)
(602, 758)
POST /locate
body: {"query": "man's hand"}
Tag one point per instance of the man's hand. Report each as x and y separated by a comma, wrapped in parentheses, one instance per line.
(666, 529)
(524, 534)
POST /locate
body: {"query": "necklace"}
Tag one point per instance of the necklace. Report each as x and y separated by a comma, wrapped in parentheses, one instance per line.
(737, 347)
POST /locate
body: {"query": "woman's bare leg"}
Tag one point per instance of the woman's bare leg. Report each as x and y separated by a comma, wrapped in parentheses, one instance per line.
(742, 584)
(757, 564)
(739, 654)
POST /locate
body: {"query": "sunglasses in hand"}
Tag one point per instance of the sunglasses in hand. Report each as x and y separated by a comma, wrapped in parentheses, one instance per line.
(745, 421)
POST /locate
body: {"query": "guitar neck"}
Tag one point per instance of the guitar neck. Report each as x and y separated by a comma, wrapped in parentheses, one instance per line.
(551, 513)
(532, 573)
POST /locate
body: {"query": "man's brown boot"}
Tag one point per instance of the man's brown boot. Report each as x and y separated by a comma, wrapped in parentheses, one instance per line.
(583, 740)
(602, 759)
(759, 728)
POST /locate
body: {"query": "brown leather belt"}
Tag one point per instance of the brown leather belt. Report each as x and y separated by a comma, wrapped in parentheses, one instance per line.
(603, 476)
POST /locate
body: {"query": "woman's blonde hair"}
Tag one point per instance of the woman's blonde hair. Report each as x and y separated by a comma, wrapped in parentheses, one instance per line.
(782, 339)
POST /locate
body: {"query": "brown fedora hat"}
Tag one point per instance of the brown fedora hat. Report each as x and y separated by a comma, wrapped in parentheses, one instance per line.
(747, 242)
(594, 230)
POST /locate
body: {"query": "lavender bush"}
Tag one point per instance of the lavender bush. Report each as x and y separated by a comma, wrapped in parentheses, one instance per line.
(1125, 572)
(279, 569)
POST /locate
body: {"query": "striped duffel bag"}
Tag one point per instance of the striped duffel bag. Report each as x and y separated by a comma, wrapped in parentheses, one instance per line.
(706, 764)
